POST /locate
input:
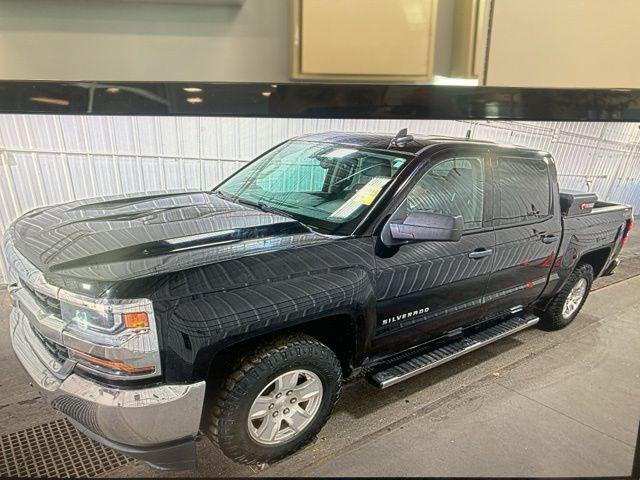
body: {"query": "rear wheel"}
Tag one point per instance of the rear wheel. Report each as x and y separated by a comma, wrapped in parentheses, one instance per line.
(567, 303)
(276, 401)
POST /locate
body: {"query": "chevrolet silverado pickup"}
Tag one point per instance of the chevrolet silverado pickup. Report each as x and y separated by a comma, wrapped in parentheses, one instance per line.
(239, 312)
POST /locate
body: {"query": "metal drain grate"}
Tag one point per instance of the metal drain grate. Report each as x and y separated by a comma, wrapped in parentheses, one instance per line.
(55, 449)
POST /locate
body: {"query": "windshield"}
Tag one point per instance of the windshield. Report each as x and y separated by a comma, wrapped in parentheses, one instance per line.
(323, 185)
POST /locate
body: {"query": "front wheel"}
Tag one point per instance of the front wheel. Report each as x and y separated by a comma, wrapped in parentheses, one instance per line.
(276, 400)
(567, 303)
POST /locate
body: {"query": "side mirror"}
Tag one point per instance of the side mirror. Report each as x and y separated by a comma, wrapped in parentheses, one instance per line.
(418, 226)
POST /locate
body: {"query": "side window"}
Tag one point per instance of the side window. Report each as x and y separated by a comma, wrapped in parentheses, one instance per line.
(454, 187)
(522, 191)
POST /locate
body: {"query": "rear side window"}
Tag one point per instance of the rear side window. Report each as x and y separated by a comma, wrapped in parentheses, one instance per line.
(522, 191)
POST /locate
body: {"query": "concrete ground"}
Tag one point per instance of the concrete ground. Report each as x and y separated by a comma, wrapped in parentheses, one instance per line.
(534, 404)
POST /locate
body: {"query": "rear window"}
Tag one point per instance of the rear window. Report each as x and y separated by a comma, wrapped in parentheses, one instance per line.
(522, 190)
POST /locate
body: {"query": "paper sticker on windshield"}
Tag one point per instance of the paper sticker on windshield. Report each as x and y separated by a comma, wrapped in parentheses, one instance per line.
(365, 196)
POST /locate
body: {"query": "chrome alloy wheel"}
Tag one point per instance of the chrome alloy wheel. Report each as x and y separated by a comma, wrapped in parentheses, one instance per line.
(285, 407)
(574, 298)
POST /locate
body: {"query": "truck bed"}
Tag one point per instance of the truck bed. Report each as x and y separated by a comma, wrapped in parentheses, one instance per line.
(601, 228)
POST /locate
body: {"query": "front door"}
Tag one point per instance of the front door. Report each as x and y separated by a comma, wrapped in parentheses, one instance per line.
(426, 289)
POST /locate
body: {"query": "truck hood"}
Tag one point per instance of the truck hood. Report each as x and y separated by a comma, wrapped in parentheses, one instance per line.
(125, 237)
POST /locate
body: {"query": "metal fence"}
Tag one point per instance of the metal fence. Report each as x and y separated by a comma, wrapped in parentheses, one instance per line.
(51, 159)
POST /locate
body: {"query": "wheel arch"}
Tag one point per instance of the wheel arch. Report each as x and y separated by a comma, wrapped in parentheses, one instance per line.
(346, 333)
(596, 258)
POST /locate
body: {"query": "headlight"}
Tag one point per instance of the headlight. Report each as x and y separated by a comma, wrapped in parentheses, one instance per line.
(87, 319)
(111, 338)
(102, 319)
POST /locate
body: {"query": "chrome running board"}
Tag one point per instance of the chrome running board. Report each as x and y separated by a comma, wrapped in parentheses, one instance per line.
(426, 361)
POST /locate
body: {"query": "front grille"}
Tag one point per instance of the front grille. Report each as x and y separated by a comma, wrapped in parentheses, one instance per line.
(59, 352)
(49, 304)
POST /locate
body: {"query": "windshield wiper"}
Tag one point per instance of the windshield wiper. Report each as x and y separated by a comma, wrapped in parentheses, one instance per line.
(259, 205)
(223, 195)
(265, 208)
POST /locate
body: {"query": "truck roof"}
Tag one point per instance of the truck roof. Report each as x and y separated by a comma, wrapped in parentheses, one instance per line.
(381, 141)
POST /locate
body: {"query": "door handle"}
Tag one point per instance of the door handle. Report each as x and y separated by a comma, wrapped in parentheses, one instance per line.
(549, 238)
(481, 253)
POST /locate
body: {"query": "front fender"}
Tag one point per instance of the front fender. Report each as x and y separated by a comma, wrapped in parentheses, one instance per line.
(200, 327)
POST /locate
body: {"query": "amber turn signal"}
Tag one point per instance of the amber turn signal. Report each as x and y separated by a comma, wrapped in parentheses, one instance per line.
(136, 320)
(111, 364)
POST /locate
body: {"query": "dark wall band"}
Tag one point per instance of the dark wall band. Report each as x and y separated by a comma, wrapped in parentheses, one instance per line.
(306, 100)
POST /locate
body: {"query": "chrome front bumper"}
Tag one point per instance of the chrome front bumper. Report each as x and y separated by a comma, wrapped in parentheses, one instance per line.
(157, 424)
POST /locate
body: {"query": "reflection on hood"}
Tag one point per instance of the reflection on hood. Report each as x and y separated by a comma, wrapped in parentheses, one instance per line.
(125, 237)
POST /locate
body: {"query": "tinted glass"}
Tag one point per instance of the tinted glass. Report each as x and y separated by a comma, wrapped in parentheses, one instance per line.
(522, 190)
(454, 187)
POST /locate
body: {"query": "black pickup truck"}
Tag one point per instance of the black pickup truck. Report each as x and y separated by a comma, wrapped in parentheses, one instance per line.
(240, 311)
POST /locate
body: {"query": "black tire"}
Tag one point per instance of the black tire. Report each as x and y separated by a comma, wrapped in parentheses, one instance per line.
(552, 318)
(227, 425)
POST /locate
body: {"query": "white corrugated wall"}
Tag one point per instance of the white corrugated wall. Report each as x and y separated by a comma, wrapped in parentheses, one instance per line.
(51, 159)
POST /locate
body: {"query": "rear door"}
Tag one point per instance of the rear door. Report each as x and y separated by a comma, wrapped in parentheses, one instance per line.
(426, 289)
(527, 232)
